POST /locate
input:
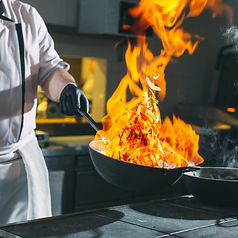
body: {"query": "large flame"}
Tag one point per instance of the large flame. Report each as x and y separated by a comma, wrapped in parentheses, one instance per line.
(132, 129)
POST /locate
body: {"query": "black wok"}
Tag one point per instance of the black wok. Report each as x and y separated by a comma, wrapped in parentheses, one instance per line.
(126, 175)
(214, 185)
(132, 176)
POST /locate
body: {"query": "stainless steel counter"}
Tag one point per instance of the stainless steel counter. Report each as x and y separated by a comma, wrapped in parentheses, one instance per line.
(171, 217)
(62, 162)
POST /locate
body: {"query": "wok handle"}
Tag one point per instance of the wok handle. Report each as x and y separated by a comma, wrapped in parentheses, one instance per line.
(189, 168)
(89, 119)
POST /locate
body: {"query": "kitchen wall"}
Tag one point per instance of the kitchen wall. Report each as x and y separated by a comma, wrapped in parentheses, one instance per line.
(189, 79)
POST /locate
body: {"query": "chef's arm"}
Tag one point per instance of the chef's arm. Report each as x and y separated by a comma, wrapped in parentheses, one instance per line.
(55, 83)
(61, 87)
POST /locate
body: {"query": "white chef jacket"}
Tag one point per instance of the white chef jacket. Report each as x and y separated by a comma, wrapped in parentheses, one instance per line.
(17, 92)
(40, 60)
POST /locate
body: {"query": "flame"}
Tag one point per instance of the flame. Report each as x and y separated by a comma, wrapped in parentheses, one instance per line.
(219, 8)
(180, 142)
(132, 129)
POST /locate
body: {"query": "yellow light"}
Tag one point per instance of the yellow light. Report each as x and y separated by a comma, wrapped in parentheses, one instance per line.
(231, 109)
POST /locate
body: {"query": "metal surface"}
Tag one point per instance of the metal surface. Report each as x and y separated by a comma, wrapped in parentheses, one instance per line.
(42, 136)
(171, 217)
(214, 185)
(132, 176)
(61, 166)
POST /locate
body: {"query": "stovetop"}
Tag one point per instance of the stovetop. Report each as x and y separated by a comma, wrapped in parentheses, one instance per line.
(176, 217)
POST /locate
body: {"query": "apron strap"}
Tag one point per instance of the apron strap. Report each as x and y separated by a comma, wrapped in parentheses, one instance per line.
(22, 60)
(2, 11)
(5, 18)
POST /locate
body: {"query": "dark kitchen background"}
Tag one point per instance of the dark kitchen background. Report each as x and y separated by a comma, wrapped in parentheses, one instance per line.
(200, 88)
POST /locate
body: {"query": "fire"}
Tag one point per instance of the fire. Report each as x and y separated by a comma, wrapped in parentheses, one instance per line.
(132, 129)
(180, 142)
(138, 141)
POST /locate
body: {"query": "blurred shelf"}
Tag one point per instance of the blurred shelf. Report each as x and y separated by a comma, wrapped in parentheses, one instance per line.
(56, 120)
(71, 141)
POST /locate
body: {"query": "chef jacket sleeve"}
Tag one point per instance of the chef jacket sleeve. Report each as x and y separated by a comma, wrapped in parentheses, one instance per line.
(49, 59)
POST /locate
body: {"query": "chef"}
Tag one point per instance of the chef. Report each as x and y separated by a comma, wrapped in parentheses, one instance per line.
(27, 59)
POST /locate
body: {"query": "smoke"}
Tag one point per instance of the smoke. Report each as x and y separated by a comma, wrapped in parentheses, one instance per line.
(224, 146)
(232, 36)
(230, 157)
(218, 148)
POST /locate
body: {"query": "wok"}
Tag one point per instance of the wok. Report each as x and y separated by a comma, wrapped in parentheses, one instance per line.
(126, 175)
(214, 185)
(132, 176)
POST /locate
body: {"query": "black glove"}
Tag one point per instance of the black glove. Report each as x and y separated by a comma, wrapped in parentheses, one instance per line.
(72, 98)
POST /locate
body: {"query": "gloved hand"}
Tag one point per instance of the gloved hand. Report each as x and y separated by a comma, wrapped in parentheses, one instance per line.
(72, 98)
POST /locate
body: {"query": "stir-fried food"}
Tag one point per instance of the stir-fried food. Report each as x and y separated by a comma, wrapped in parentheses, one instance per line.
(139, 140)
